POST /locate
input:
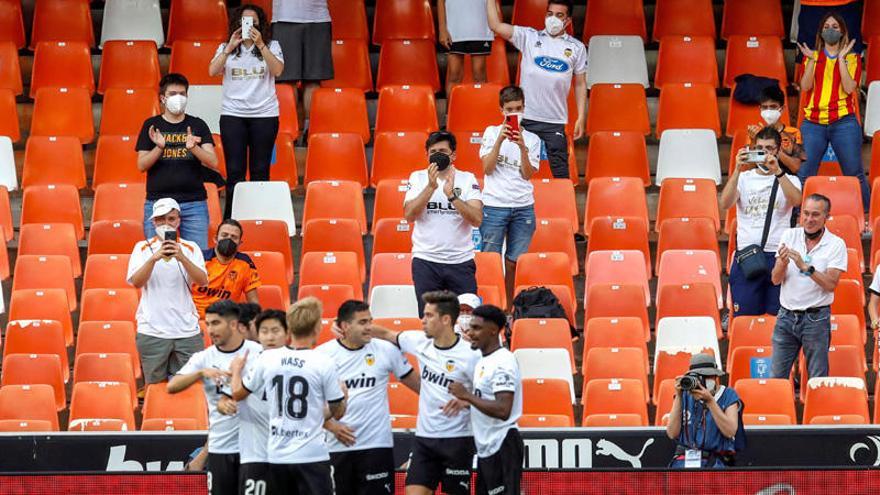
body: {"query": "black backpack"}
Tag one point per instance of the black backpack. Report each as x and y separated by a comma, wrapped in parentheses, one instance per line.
(538, 302)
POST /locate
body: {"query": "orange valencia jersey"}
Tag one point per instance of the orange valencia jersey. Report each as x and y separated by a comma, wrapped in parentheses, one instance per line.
(225, 281)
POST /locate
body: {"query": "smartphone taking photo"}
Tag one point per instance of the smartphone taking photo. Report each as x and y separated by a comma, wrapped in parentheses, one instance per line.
(171, 235)
(247, 22)
(512, 122)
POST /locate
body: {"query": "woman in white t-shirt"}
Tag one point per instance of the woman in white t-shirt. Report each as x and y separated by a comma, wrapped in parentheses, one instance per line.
(249, 62)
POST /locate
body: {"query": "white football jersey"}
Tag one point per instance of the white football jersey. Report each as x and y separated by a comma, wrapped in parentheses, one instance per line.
(223, 430)
(298, 383)
(440, 367)
(253, 427)
(365, 373)
(495, 372)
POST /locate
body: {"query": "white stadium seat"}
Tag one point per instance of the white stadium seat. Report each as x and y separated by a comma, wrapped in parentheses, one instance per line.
(264, 200)
(8, 177)
(204, 101)
(688, 154)
(394, 301)
(132, 20)
(616, 60)
(689, 334)
(546, 363)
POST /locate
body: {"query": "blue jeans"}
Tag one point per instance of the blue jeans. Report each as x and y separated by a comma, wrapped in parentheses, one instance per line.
(754, 297)
(517, 224)
(193, 222)
(845, 136)
(810, 330)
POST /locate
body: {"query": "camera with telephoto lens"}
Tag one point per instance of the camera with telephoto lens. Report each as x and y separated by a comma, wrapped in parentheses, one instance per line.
(692, 381)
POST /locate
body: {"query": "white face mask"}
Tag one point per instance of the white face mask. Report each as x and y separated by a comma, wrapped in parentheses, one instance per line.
(771, 115)
(553, 25)
(710, 385)
(464, 322)
(162, 229)
(176, 104)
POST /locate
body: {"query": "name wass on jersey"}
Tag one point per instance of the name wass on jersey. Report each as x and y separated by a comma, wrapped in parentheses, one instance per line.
(297, 382)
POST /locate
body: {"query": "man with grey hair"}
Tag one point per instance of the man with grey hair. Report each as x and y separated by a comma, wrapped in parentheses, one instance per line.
(808, 265)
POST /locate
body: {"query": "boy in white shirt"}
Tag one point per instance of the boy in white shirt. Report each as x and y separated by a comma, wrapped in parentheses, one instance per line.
(511, 156)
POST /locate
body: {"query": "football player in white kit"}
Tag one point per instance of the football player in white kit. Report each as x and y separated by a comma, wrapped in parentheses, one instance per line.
(361, 444)
(443, 449)
(303, 389)
(497, 405)
(211, 367)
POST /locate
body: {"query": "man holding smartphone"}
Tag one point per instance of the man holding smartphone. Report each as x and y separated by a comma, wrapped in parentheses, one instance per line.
(510, 156)
(164, 267)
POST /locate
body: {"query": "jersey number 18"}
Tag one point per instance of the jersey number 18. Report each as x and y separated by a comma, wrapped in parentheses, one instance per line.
(296, 405)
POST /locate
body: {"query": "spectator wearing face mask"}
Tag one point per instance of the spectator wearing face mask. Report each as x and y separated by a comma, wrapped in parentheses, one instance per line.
(231, 274)
(173, 149)
(831, 82)
(466, 305)
(791, 151)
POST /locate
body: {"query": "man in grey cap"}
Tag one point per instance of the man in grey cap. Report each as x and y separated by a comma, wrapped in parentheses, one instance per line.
(706, 418)
(164, 267)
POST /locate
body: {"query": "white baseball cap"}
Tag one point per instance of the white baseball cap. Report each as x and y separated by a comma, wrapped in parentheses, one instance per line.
(471, 300)
(163, 207)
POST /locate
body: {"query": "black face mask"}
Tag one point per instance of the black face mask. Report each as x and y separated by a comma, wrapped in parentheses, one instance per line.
(815, 235)
(440, 159)
(226, 247)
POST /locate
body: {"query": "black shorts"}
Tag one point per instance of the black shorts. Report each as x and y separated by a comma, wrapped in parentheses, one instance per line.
(307, 49)
(363, 472)
(300, 479)
(442, 460)
(222, 474)
(471, 47)
(500, 473)
(254, 478)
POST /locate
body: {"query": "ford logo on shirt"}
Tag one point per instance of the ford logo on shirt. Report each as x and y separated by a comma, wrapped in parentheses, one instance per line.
(551, 64)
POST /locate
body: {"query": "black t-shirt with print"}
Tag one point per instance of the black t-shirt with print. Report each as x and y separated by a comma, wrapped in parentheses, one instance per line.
(178, 174)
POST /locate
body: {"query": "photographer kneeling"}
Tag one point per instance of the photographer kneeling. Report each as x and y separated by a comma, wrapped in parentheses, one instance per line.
(706, 418)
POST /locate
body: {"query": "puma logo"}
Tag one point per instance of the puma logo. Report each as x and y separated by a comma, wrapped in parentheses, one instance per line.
(605, 447)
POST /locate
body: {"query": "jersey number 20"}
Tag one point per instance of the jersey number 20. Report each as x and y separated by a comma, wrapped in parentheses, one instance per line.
(295, 404)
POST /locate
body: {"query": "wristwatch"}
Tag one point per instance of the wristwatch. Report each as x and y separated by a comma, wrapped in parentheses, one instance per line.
(454, 196)
(810, 271)
(780, 175)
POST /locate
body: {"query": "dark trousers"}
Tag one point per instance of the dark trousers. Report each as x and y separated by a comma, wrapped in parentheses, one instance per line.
(460, 278)
(245, 138)
(554, 145)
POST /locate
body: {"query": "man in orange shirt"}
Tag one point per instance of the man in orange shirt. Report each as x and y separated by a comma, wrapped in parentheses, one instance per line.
(231, 274)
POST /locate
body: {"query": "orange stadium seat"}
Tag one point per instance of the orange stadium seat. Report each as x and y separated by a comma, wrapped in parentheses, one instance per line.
(63, 112)
(606, 398)
(849, 300)
(62, 64)
(402, 402)
(618, 107)
(22, 425)
(32, 369)
(388, 202)
(555, 198)
(544, 421)
(392, 235)
(288, 123)
(349, 19)
(872, 60)
(752, 17)
(52, 204)
(555, 235)
(119, 202)
(406, 108)
(547, 396)
(686, 59)
(269, 235)
(397, 154)
(285, 168)
(688, 106)
(402, 20)
(836, 397)
(757, 55)
(101, 400)
(668, 365)
(473, 107)
(107, 337)
(766, 397)
(9, 115)
(542, 269)
(109, 304)
(683, 266)
(29, 402)
(617, 267)
(684, 18)
(319, 268)
(497, 70)
(116, 161)
(129, 64)
(622, 331)
(12, 23)
(45, 272)
(332, 296)
(615, 197)
(10, 67)
(191, 403)
(272, 297)
(689, 234)
(125, 110)
(687, 198)
(870, 17)
(6, 231)
(490, 273)
(843, 360)
(391, 269)
(618, 154)
(663, 397)
(53, 160)
(847, 228)
(69, 20)
(50, 239)
(408, 62)
(742, 363)
(197, 20)
(620, 234)
(4, 262)
(37, 337)
(613, 362)
(335, 234)
(101, 367)
(695, 299)
(351, 65)
(843, 193)
(114, 237)
(172, 424)
(756, 331)
(335, 199)
(339, 110)
(333, 156)
(191, 58)
(539, 333)
(467, 153)
(617, 301)
(615, 17)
